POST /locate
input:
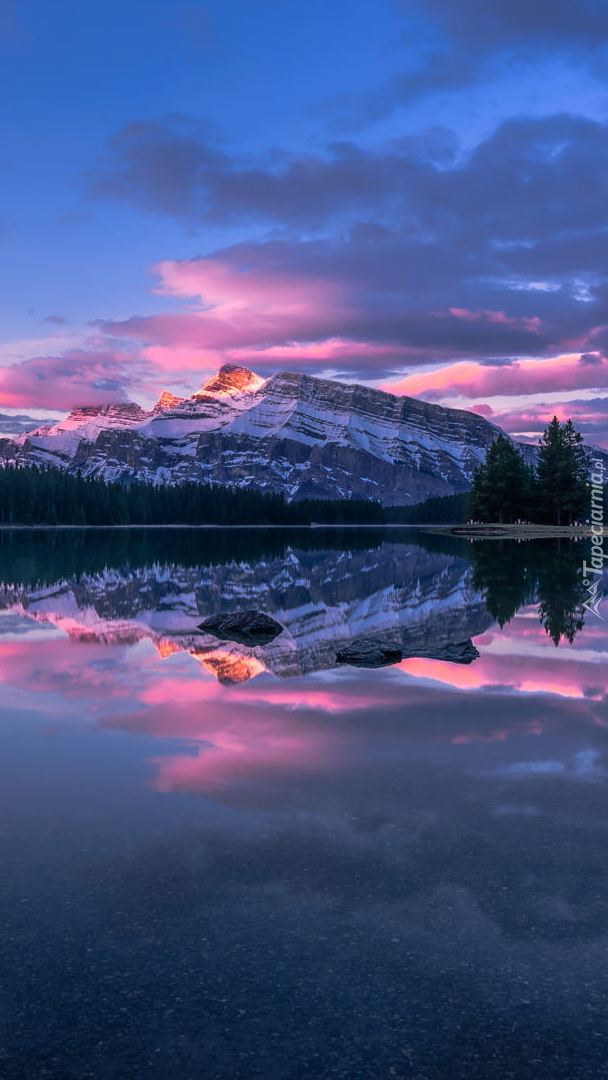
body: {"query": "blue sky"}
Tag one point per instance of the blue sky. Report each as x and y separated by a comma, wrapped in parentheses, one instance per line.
(413, 195)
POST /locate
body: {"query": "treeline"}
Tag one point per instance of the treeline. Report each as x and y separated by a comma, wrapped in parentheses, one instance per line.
(49, 496)
(555, 492)
(441, 510)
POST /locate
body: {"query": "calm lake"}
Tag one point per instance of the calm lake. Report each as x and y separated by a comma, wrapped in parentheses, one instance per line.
(223, 861)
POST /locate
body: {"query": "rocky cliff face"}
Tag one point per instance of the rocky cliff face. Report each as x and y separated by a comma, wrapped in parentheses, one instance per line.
(291, 433)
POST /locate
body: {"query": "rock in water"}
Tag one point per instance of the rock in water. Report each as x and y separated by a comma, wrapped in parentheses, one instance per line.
(369, 653)
(244, 627)
(456, 652)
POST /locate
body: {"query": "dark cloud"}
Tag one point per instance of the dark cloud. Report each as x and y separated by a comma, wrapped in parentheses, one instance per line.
(499, 23)
(57, 319)
(18, 425)
(497, 254)
(159, 164)
(455, 43)
(450, 45)
(590, 358)
(530, 181)
(598, 341)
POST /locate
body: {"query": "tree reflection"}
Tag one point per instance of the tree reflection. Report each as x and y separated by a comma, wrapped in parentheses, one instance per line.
(561, 592)
(510, 574)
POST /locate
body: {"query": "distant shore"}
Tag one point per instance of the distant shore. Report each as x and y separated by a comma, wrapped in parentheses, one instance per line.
(315, 525)
(491, 530)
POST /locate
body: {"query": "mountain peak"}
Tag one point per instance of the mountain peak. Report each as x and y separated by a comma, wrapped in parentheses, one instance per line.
(292, 434)
(167, 400)
(231, 380)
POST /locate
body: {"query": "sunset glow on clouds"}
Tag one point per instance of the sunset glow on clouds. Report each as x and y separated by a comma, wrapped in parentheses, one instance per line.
(437, 228)
(78, 377)
(270, 320)
(563, 374)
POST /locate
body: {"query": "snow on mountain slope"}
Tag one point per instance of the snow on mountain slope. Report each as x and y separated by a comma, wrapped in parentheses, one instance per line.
(207, 410)
(291, 433)
(62, 439)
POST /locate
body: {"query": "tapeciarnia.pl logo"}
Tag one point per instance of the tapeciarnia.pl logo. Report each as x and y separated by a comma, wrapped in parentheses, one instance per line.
(593, 572)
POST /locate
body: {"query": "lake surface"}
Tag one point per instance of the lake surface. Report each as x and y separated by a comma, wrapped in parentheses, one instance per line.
(222, 861)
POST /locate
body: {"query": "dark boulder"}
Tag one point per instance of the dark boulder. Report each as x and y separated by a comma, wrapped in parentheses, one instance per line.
(459, 652)
(244, 627)
(369, 653)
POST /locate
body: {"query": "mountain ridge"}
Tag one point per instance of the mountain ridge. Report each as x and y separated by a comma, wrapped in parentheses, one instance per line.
(292, 433)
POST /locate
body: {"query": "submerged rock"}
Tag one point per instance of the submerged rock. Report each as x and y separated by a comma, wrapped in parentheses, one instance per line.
(244, 627)
(457, 652)
(369, 652)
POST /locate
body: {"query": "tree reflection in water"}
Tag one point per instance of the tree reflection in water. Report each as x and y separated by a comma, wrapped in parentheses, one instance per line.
(510, 574)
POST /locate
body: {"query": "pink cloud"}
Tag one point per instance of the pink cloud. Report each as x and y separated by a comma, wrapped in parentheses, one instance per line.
(77, 377)
(237, 307)
(469, 378)
(168, 691)
(245, 310)
(266, 730)
(55, 666)
(224, 285)
(485, 316)
(255, 307)
(533, 419)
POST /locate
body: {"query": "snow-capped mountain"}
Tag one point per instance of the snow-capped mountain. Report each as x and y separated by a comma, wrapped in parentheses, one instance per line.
(414, 600)
(291, 433)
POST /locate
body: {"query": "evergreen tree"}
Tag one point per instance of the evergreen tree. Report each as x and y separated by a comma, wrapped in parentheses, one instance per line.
(49, 496)
(501, 488)
(561, 474)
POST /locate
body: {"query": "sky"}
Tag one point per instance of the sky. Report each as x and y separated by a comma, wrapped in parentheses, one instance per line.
(411, 194)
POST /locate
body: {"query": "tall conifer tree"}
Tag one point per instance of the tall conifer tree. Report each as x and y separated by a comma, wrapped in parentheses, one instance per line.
(562, 472)
(501, 486)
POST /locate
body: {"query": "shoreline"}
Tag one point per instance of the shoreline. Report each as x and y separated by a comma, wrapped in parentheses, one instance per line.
(490, 531)
(493, 531)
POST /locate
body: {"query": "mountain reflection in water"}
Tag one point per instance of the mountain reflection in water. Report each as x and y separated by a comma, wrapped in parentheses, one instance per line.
(325, 600)
(225, 861)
